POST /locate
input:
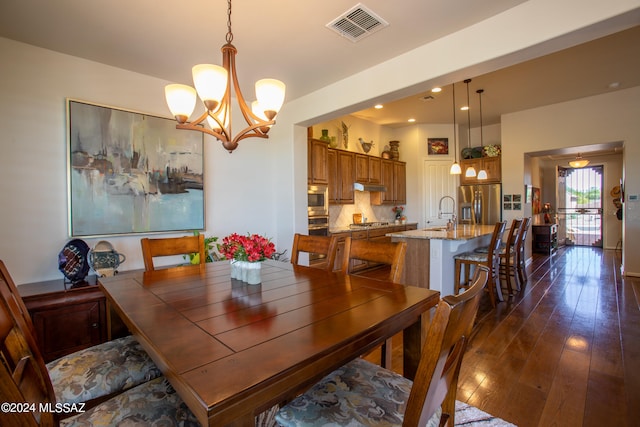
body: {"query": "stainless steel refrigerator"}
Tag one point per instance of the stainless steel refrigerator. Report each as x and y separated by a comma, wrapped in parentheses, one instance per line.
(480, 204)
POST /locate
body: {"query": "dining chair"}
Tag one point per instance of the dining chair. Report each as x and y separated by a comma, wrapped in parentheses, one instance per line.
(387, 253)
(88, 375)
(324, 245)
(362, 393)
(169, 246)
(490, 259)
(24, 378)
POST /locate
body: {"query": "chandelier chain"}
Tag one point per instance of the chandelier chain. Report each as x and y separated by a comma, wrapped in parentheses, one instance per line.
(229, 33)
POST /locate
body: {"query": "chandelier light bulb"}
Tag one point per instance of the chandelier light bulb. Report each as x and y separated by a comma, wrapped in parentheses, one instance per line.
(211, 84)
(270, 94)
(181, 100)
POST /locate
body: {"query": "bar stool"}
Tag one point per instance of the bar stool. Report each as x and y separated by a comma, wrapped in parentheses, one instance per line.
(508, 257)
(490, 259)
(521, 262)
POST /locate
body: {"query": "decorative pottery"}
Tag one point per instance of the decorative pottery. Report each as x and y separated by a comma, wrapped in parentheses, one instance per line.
(325, 136)
(395, 154)
(72, 260)
(104, 259)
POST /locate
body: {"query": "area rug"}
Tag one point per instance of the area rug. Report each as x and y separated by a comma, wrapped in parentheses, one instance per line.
(466, 416)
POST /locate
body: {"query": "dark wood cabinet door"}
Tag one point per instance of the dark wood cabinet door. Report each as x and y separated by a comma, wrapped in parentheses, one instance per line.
(347, 174)
(400, 182)
(333, 178)
(66, 329)
(362, 168)
(318, 172)
(375, 165)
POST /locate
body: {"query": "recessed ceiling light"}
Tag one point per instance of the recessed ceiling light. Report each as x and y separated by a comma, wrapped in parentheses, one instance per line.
(378, 106)
(436, 89)
(411, 120)
(614, 85)
(465, 108)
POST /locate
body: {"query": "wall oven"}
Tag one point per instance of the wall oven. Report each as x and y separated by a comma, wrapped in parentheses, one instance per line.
(318, 226)
(318, 200)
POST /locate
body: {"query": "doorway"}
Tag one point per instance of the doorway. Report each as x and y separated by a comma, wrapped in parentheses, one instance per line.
(580, 205)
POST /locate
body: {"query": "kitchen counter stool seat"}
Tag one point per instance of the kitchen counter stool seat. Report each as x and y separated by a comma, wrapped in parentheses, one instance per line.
(490, 259)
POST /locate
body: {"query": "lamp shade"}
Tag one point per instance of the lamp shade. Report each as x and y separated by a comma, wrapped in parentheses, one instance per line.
(455, 169)
(181, 100)
(270, 94)
(211, 83)
(470, 172)
(482, 174)
(579, 162)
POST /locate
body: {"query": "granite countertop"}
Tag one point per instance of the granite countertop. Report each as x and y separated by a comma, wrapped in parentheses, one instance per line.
(347, 229)
(463, 232)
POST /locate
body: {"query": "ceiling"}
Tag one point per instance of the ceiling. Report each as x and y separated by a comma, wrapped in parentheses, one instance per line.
(289, 41)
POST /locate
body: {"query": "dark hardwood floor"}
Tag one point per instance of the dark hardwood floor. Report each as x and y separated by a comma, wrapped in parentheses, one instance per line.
(565, 351)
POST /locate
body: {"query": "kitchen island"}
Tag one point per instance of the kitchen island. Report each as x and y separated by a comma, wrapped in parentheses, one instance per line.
(429, 259)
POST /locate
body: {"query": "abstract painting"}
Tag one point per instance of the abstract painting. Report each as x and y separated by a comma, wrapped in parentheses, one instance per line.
(131, 172)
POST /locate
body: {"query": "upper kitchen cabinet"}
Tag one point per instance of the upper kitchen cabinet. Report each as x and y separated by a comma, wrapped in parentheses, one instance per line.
(342, 174)
(317, 162)
(491, 165)
(394, 178)
(368, 169)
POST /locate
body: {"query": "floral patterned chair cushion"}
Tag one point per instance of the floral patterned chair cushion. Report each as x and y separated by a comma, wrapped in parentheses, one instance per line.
(357, 394)
(154, 403)
(100, 371)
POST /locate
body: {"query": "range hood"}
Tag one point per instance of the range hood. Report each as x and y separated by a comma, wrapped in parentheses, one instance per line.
(368, 187)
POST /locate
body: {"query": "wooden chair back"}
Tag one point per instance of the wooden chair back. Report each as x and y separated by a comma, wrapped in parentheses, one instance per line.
(513, 235)
(436, 380)
(10, 291)
(169, 246)
(389, 253)
(493, 257)
(23, 374)
(324, 245)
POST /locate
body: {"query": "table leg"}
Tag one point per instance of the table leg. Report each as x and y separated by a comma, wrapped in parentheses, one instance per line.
(412, 348)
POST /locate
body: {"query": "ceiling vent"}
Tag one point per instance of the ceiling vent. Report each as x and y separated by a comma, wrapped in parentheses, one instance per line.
(357, 23)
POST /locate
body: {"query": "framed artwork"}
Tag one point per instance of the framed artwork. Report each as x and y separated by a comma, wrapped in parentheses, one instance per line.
(130, 172)
(535, 201)
(436, 146)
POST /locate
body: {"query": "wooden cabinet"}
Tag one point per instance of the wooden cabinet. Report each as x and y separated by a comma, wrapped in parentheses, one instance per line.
(368, 169)
(317, 162)
(341, 176)
(544, 238)
(66, 320)
(492, 165)
(394, 178)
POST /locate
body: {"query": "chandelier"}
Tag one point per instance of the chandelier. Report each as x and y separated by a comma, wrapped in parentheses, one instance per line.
(213, 85)
(578, 162)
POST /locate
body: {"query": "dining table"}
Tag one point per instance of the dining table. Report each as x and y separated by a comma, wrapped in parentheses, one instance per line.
(232, 350)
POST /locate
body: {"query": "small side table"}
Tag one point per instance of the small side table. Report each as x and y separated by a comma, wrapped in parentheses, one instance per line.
(545, 238)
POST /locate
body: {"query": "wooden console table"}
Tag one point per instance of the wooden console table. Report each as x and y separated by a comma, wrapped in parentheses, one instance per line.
(545, 238)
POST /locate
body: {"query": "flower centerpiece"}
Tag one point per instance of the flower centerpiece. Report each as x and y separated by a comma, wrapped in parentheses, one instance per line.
(245, 253)
(398, 211)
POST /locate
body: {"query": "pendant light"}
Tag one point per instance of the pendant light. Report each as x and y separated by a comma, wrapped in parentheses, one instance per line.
(455, 167)
(471, 171)
(578, 162)
(482, 175)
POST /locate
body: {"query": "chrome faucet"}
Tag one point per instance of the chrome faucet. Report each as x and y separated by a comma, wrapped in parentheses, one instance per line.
(454, 218)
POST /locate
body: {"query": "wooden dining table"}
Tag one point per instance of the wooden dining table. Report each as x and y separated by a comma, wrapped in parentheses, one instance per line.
(233, 350)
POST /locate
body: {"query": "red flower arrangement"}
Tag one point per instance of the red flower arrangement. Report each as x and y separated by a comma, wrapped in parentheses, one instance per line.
(251, 247)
